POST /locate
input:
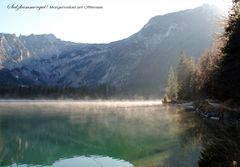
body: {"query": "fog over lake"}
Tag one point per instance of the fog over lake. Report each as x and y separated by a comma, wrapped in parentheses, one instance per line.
(97, 133)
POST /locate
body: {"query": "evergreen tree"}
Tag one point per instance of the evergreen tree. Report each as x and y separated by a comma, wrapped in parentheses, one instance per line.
(228, 85)
(186, 75)
(172, 85)
(208, 69)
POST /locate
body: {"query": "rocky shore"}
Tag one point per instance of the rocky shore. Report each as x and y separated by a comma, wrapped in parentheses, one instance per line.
(211, 109)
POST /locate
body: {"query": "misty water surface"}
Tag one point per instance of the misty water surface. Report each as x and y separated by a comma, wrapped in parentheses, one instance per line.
(96, 134)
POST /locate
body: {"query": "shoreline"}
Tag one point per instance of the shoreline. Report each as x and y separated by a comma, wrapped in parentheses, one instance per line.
(211, 109)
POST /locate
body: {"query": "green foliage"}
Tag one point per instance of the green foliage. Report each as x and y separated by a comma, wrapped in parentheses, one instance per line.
(186, 75)
(219, 67)
(229, 74)
(222, 150)
(182, 85)
(219, 78)
(208, 70)
(172, 85)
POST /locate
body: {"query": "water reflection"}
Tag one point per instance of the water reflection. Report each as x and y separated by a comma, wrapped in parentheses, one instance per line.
(149, 135)
(92, 161)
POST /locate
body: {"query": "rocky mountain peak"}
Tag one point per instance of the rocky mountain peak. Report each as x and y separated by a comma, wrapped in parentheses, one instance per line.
(139, 62)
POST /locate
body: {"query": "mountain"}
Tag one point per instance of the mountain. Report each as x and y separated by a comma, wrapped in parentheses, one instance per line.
(137, 63)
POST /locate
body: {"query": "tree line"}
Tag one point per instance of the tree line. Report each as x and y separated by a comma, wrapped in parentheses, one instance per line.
(101, 91)
(217, 74)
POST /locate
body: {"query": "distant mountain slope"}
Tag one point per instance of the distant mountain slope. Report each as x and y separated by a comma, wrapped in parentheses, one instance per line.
(140, 62)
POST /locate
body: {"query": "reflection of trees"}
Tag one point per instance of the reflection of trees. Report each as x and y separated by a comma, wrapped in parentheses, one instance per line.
(194, 133)
(42, 136)
(223, 148)
(220, 142)
(38, 137)
(194, 127)
(188, 140)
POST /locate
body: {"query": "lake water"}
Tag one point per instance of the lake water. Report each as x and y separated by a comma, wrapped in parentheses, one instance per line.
(97, 134)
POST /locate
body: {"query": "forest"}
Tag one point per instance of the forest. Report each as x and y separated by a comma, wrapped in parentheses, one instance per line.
(213, 81)
(217, 74)
(41, 92)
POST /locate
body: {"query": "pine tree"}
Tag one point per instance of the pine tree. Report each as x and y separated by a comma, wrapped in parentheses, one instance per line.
(172, 85)
(186, 75)
(228, 85)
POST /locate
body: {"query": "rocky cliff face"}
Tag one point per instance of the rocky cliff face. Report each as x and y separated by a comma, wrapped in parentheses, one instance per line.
(12, 50)
(139, 62)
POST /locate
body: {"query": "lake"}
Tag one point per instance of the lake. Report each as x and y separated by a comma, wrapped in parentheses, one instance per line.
(98, 134)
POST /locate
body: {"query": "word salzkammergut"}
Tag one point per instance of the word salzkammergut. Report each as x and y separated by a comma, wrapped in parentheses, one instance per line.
(19, 7)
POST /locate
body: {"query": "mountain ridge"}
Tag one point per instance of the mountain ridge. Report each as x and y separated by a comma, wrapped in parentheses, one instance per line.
(131, 63)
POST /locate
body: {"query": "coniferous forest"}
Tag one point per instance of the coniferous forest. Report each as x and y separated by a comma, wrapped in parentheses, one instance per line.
(217, 74)
(213, 83)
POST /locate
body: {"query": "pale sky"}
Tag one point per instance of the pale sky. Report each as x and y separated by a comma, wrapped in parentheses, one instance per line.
(117, 20)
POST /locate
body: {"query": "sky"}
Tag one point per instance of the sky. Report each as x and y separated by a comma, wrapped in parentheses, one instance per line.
(117, 20)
